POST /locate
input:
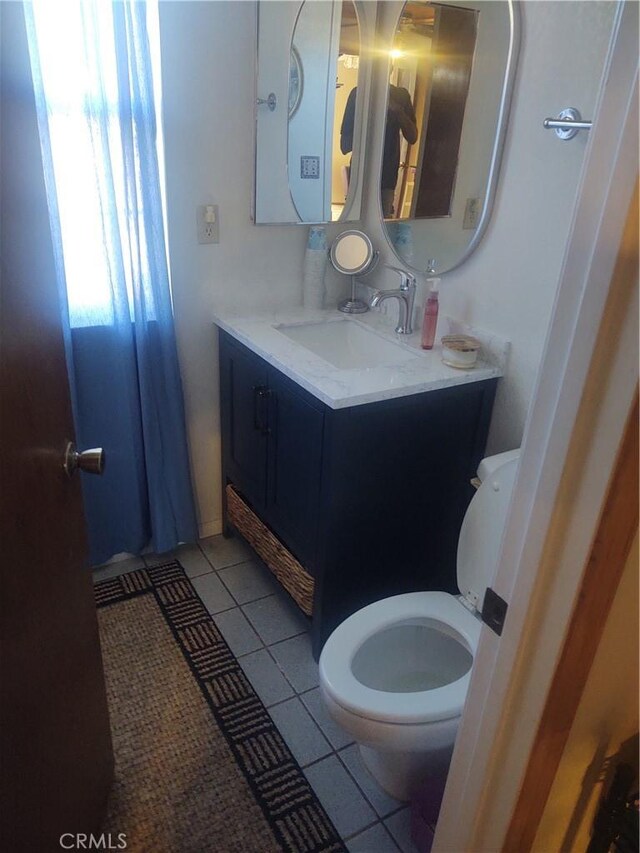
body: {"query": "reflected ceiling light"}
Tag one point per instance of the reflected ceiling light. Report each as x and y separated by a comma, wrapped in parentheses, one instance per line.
(395, 53)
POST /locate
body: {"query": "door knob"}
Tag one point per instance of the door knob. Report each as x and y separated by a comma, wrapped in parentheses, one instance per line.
(91, 461)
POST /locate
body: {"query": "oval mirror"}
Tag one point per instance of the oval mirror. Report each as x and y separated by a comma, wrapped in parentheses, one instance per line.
(325, 54)
(451, 67)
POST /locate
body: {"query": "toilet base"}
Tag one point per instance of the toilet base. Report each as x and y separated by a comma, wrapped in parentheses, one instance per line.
(403, 774)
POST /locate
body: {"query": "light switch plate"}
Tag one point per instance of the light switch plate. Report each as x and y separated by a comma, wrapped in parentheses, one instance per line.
(208, 223)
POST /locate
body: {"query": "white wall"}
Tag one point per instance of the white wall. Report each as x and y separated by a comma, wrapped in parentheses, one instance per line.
(208, 67)
(507, 286)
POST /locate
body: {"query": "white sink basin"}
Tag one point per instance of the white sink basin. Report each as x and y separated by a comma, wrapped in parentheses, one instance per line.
(345, 344)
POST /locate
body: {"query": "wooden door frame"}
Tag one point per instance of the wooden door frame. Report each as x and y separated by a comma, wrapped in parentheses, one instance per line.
(610, 550)
(573, 435)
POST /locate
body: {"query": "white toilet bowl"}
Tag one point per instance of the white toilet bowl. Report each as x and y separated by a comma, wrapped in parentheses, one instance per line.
(395, 674)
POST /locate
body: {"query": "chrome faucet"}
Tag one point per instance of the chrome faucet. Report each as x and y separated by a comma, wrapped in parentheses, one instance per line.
(405, 294)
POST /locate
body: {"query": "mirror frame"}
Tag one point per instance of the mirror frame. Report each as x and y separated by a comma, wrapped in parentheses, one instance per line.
(352, 232)
(508, 83)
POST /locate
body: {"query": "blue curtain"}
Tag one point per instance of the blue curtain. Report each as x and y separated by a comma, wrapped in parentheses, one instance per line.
(92, 65)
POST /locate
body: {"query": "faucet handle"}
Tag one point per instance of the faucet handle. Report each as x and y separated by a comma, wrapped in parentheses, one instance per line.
(407, 279)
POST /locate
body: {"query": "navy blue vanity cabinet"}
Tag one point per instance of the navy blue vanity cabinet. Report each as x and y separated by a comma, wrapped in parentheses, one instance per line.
(272, 434)
(244, 391)
(370, 498)
(294, 456)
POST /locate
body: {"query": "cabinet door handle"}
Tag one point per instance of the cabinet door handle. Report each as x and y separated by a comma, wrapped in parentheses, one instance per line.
(260, 413)
(264, 395)
(257, 392)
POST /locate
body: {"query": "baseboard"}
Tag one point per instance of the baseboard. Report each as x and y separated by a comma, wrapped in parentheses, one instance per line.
(210, 528)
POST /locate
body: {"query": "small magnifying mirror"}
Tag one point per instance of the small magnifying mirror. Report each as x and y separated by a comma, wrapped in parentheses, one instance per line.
(352, 253)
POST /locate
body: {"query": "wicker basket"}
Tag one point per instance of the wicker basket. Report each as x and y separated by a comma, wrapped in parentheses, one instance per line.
(298, 583)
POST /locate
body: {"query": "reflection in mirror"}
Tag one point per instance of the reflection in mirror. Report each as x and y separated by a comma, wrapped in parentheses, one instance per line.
(325, 58)
(433, 51)
(451, 71)
(296, 81)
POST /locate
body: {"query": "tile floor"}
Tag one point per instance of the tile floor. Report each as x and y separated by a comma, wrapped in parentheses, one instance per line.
(269, 636)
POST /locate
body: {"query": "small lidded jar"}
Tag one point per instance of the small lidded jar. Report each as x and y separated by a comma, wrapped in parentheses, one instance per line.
(460, 351)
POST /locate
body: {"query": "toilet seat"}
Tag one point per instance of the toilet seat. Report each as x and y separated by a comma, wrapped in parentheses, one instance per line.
(437, 610)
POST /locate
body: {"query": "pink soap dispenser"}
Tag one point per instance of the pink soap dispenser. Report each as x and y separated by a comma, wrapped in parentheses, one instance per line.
(430, 320)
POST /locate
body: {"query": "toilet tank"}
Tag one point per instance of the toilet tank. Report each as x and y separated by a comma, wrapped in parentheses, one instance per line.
(483, 525)
(491, 463)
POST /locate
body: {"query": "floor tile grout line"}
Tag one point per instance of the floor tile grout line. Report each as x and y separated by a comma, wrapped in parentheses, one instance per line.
(220, 568)
(379, 819)
(210, 562)
(335, 752)
(251, 600)
(236, 654)
(264, 646)
(318, 760)
(378, 822)
(224, 610)
(395, 811)
(277, 642)
(275, 593)
(335, 749)
(284, 674)
(361, 831)
(361, 789)
(286, 640)
(310, 715)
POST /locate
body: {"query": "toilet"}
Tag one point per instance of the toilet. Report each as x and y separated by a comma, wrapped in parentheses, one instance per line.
(395, 674)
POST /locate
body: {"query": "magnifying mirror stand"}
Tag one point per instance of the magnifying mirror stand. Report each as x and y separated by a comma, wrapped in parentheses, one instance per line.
(353, 305)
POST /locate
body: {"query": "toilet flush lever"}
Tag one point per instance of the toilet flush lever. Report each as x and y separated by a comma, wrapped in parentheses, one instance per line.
(91, 461)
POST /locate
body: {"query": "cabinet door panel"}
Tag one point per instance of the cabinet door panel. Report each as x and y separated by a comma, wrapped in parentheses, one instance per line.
(295, 453)
(244, 422)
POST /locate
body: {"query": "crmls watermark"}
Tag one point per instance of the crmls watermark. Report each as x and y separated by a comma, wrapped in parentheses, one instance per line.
(84, 841)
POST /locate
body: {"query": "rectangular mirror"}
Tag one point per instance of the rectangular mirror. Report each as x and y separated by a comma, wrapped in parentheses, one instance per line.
(312, 90)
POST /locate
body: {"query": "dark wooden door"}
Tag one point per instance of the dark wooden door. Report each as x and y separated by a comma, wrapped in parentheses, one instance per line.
(452, 51)
(295, 459)
(55, 744)
(244, 395)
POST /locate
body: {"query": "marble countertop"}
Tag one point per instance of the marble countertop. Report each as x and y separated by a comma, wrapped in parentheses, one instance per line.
(341, 388)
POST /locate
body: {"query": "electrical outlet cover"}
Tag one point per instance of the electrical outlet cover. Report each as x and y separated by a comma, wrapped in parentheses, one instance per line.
(471, 214)
(310, 167)
(208, 232)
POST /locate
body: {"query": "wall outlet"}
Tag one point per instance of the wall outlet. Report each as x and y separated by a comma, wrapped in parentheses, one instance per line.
(471, 214)
(208, 223)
